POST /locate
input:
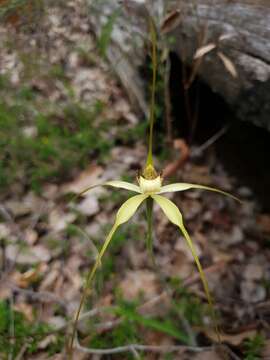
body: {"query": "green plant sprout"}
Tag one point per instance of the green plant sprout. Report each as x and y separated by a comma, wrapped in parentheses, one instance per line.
(149, 190)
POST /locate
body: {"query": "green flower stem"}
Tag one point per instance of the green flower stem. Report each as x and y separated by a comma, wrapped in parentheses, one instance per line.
(153, 34)
(149, 217)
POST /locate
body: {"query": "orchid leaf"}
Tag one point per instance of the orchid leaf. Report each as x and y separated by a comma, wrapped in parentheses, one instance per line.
(174, 215)
(125, 212)
(185, 186)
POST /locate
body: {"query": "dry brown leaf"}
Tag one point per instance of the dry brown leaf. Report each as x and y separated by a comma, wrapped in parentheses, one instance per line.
(89, 206)
(180, 265)
(183, 148)
(5, 289)
(171, 21)
(203, 50)
(30, 236)
(49, 280)
(252, 292)
(4, 231)
(263, 221)
(157, 338)
(231, 339)
(58, 220)
(25, 279)
(225, 37)
(228, 64)
(136, 282)
(18, 208)
(207, 355)
(136, 8)
(266, 350)
(26, 310)
(44, 343)
(85, 179)
(27, 256)
(253, 272)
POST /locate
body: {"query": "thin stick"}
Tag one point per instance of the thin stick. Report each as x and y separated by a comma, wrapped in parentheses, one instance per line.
(139, 347)
(21, 352)
(210, 141)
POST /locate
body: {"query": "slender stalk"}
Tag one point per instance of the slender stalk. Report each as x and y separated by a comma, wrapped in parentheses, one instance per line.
(149, 218)
(153, 91)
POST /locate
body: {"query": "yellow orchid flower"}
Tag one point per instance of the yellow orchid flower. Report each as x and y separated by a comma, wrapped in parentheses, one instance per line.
(149, 187)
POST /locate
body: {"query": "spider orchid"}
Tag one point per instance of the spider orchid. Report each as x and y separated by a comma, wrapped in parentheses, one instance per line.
(148, 190)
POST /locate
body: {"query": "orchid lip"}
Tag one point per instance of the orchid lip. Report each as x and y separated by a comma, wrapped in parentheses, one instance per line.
(148, 186)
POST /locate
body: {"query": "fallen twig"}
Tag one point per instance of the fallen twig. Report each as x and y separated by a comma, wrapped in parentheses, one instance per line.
(213, 268)
(43, 296)
(199, 150)
(139, 347)
(171, 168)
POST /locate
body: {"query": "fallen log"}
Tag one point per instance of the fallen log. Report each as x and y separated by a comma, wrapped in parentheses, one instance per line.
(236, 64)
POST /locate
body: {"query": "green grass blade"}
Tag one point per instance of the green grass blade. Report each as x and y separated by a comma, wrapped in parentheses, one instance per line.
(166, 327)
(106, 33)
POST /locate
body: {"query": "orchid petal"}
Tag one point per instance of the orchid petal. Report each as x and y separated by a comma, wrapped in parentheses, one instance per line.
(185, 186)
(125, 212)
(128, 209)
(114, 183)
(123, 185)
(174, 215)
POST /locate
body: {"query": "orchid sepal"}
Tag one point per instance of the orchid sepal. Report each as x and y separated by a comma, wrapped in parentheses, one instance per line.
(174, 215)
(186, 186)
(125, 212)
(113, 183)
